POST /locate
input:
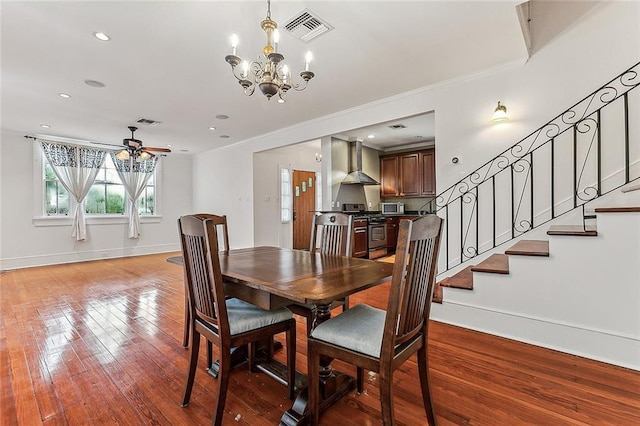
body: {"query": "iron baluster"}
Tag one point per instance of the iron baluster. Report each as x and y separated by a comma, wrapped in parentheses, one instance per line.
(513, 219)
(553, 185)
(599, 154)
(575, 167)
(626, 138)
(531, 190)
(493, 207)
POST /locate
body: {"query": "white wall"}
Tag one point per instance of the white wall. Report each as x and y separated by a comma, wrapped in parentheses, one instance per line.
(573, 63)
(576, 62)
(24, 244)
(266, 188)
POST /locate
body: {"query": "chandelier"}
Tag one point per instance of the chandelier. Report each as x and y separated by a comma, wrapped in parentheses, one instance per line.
(270, 74)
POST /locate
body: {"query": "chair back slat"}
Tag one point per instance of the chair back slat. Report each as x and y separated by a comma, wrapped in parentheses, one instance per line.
(412, 281)
(331, 234)
(221, 225)
(199, 239)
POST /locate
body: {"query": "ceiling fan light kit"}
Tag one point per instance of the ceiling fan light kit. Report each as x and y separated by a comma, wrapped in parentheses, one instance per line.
(272, 76)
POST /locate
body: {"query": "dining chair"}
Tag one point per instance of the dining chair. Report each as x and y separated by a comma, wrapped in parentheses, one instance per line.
(330, 234)
(221, 223)
(378, 340)
(225, 322)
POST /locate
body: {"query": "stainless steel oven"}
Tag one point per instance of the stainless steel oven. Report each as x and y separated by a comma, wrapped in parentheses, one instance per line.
(377, 230)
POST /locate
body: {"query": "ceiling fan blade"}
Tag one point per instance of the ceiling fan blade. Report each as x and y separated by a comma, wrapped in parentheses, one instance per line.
(151, 148)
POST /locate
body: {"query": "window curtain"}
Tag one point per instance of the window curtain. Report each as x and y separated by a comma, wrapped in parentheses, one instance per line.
(76, 168)
(134, 175)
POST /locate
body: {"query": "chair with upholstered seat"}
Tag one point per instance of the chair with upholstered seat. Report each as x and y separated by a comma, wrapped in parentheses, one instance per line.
(221, 223)
(227, 323)
(330, 234)
(380, 341)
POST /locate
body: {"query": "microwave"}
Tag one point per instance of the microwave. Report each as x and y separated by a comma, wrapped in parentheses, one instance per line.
(392, 208)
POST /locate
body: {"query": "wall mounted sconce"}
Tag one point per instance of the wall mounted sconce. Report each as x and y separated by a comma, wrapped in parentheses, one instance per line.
(500, 114)
(318, 157)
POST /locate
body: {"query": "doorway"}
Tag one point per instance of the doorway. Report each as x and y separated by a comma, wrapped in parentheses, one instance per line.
(304, 201)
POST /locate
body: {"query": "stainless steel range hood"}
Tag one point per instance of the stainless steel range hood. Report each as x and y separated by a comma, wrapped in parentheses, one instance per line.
(358, 177)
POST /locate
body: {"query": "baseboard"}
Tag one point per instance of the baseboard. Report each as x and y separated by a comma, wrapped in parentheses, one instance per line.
(84, 256)
(593, 344)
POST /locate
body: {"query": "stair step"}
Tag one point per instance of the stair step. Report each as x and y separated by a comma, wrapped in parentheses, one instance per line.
(463, 279)
(635, 187)
(618, 210)
(574, 230)
(437, 294)
(529, 248)
(495, 264)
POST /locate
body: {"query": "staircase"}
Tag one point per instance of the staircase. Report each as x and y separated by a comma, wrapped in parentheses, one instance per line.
(498, 263)
(542, 243)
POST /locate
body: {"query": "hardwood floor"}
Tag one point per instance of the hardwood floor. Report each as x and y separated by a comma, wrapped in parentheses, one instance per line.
(100, 343)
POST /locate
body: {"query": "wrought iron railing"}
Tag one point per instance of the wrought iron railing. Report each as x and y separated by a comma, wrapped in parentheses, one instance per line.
(580, 155)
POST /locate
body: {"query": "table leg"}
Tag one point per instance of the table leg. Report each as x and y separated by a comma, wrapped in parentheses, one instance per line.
(333, 384)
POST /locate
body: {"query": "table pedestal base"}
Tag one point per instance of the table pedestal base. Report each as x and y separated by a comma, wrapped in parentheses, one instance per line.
(331, 390)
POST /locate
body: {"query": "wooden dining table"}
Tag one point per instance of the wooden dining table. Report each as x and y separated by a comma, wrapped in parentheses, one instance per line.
(272, 277)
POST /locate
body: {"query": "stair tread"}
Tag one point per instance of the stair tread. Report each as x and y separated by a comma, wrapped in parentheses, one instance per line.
(497, 263)
(575, 230)
(635, 187)
(529, 248)
(618, 210)
(463, 279)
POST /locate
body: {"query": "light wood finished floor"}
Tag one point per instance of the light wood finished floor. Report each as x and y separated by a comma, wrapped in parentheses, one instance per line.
(99, 343)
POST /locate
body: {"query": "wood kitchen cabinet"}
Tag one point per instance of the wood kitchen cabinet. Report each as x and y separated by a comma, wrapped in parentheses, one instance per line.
(408, 174)
(389, 176)
(359, 240)
(428, 164)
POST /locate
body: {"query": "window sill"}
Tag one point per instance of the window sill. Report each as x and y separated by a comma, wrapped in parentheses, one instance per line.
(92, 220)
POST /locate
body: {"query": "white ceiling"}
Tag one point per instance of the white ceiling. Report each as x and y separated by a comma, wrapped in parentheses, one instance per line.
(165, 62)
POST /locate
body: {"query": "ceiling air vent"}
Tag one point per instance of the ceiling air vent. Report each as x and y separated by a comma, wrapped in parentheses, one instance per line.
(397, 126)
(306, 26)
(147, 122)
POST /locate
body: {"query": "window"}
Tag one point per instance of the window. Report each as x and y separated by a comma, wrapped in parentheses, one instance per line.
(56, 198)
(285, 195)
(106, 197)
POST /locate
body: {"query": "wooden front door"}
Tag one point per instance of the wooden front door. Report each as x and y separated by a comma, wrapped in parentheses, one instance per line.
(304, 203)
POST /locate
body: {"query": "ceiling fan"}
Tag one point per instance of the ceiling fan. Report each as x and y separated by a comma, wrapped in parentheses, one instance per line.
(133, 148)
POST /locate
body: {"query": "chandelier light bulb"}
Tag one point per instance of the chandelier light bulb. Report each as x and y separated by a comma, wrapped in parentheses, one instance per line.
(307, 60)
(245, 69)
(234, 43)
(276, 39)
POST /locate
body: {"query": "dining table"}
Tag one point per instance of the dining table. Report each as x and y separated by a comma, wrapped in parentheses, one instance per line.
(273, 277)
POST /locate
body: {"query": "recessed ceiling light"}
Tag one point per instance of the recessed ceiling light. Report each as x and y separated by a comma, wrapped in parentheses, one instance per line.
(169, 145)
(224, 136)
(64, 95)
(94, 83)
(371, 136)
(222, 117)
(102, 36)
(45, 126)
(280, 101)
(212, 128)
